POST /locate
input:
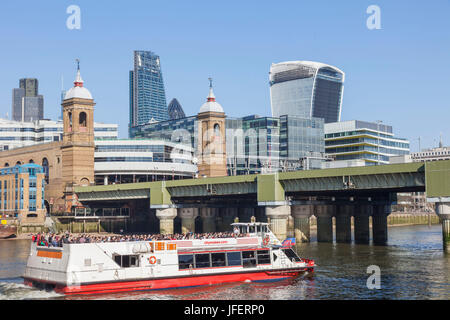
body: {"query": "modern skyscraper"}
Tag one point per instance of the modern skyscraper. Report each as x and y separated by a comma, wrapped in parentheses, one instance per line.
(306, 89)
(175, 110)
(27, 104)
(147, 95)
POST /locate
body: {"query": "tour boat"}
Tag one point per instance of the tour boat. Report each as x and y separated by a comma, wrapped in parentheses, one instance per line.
(92, 268)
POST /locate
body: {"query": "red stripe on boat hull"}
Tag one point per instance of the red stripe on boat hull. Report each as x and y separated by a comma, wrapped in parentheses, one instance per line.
(172, 283)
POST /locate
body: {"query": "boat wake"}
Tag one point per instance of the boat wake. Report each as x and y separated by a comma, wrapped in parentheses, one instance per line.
(11, 289)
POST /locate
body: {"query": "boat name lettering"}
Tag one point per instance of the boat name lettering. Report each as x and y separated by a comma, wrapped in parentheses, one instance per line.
(215, 242)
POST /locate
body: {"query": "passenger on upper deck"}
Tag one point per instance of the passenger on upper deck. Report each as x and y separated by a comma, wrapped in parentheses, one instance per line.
(57, 240)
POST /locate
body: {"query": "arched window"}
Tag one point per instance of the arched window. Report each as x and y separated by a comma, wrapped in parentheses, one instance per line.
(70, 119)
(6, 164)
(45, 166)
(217, 130)
(18, 163)
(83, 119)
(84, 182)
(31, 161)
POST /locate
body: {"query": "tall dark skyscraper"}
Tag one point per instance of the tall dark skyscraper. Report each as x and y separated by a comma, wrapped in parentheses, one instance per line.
(27, 103)
(175, 110)
(147, 95)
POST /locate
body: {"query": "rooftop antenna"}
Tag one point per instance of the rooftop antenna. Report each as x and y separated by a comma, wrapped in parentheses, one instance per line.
(210, 82)
(78, 63)
(440, 141)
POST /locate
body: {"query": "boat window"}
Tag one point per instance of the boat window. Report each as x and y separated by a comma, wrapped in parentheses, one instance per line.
(218, 259)
(248, 259)
(202, 260)
(234, 258)
(133, 261)
(275, 257)
(126, 261)
(291, 255)
(185, 261)
(263, 256)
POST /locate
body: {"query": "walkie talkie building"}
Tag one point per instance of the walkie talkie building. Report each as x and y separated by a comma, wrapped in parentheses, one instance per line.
(306, 89)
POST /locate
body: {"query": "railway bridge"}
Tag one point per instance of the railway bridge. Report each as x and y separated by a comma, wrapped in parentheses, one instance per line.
(358, 192)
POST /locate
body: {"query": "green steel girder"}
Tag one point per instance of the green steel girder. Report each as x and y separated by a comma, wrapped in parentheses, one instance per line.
(114, 195)
(223, 189)
(271, 188)
(356, 182)
(437, 177)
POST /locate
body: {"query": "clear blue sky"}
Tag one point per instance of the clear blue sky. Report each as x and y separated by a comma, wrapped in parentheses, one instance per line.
(399, 74)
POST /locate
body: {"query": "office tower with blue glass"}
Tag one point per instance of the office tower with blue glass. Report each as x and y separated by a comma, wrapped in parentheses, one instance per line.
(306, 89)
(147, 95)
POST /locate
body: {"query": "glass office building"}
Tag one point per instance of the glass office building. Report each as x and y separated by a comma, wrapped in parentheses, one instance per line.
(17, 134)
(306, 89)
(147, 95)
(27, 103)
(175, 110)
(302, 145)
(372, 142)
(254, 144)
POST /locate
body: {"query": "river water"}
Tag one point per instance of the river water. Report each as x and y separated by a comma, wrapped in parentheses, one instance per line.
(412, 265)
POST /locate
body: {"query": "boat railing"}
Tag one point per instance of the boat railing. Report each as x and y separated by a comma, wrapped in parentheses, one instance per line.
(95, 213)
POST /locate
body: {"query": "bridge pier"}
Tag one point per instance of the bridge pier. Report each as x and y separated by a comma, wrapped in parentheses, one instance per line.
(301, 215)
(379, 224)
(344, 215)
(443, 211)
(166, 217)
(361, 220)
(324, 215)
(208, 216)
(187, 216)
(278, 220)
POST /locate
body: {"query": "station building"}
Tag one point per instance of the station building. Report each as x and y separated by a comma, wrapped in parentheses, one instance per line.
(78, 158)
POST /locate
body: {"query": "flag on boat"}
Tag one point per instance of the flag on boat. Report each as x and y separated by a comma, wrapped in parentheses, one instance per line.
(288, 242)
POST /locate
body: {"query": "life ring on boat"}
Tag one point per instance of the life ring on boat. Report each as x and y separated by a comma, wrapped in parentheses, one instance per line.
(266, 240)
(152, 260)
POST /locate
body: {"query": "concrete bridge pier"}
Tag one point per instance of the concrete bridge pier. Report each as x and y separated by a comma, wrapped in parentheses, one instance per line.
(361, 221)
(278, 220)
(208, 216)
(379, 224)
(301, 215)
(324, 215)
(188, 216)
(344, 215)
(443, 211)
(166, 217)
